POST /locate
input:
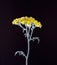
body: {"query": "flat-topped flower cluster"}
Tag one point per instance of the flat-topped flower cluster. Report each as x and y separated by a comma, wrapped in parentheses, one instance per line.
(27, 21)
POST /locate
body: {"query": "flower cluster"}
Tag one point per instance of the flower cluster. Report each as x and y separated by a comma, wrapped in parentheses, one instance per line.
(27, 21)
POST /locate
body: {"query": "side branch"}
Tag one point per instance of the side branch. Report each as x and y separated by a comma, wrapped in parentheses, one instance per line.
(35, 38)
(20, 53)
(22, 27)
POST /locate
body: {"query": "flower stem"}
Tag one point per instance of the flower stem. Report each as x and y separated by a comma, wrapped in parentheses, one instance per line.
(28, 43)
(28, 52)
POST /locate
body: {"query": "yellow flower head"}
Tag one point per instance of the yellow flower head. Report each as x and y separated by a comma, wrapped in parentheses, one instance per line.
(26, 21)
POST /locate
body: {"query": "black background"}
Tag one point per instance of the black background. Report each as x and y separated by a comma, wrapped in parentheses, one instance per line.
(12, 38)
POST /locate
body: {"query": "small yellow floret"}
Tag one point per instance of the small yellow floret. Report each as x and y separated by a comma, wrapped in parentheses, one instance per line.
(15, 21)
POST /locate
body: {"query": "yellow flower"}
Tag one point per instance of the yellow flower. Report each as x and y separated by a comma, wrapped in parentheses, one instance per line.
(15, 21)
(27, 20)
(37, 23)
